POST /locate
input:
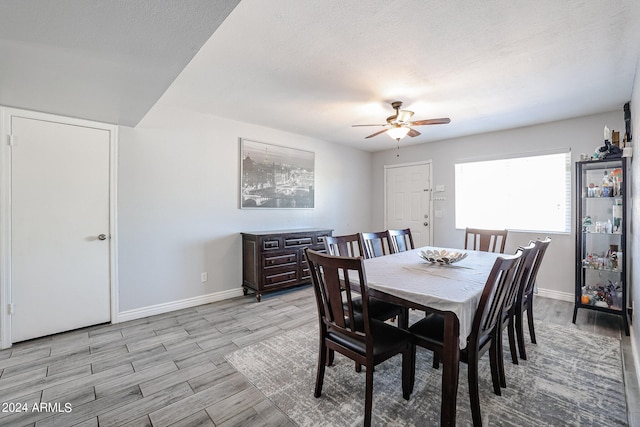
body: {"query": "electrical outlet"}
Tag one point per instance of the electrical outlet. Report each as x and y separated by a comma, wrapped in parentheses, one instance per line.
(203, 277)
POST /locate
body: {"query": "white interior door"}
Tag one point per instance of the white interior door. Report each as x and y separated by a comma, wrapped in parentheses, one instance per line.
(408, 200)
(60, 267)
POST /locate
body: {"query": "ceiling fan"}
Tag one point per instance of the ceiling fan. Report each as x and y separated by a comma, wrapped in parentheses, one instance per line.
(398, 126)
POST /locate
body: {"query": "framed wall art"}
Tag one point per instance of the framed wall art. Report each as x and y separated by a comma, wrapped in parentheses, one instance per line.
(273, 176)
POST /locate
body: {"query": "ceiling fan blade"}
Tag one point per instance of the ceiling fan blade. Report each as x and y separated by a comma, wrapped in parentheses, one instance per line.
(442, 121)
(413, 132)
(355, 126)
(375, 134)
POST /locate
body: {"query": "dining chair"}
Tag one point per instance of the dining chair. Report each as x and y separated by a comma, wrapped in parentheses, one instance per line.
(376, 244)
(351, 245)
(400, 240)
(429, 331)
(485, 240)
(528, 254)
(366, 341)
(524, 298)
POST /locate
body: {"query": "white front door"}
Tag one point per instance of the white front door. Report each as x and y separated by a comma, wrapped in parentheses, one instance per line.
(60, 257)
(408, 200)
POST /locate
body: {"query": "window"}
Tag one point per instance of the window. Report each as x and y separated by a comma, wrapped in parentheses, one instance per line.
(531, 193)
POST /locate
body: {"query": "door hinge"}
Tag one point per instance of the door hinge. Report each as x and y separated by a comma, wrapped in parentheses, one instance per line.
(11, 140)
(10, 309)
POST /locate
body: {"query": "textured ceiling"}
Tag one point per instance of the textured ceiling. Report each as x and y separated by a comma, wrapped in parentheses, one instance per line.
(108, 61)
(317, 67)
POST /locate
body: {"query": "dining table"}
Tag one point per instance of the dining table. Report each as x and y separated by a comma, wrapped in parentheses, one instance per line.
(451, 290)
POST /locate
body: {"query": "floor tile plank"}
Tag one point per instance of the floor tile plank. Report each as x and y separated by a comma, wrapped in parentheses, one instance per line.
(171, 369)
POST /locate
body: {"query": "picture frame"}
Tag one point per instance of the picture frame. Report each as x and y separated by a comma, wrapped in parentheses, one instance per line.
(276, 177)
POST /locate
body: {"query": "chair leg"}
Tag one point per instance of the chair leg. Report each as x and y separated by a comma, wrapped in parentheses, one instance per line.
(436, 361)
(368, 396)
(474, 394)
(408, 370)
(413, 367)
(532, 333)
(520, 334)
(330, 357)
(497, 367)
(403, 319)
(322, 361)
(512, 339)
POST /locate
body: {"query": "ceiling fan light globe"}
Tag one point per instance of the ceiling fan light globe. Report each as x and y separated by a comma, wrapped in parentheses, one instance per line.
(398, 132)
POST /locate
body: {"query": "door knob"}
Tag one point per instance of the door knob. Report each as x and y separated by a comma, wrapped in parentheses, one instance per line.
(426, 224)
(102, 237)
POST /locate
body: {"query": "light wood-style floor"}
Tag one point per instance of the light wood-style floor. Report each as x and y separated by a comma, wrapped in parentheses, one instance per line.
(170, 370)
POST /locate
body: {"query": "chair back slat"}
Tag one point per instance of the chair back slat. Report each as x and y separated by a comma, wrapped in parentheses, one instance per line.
(347, 245)
(333, 278)
(485, 240)
(400, 240)
(376, 244)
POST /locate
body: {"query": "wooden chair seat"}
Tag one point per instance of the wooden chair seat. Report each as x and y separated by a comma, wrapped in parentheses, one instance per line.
(385, 338)
(380, 310)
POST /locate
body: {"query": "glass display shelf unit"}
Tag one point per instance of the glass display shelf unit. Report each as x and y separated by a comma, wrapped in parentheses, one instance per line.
(601, 237)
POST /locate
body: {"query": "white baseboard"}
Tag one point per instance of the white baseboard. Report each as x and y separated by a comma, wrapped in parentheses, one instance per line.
(562, 296)
(138, 313)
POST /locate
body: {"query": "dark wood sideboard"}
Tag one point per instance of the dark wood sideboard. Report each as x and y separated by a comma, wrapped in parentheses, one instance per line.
(273, 260)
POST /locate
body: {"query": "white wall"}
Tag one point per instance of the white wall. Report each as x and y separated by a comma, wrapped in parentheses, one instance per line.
(582, 135)
(635, 222)
(178, 203)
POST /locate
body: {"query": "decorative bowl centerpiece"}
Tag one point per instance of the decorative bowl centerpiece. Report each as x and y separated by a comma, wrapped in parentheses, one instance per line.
(442, 256)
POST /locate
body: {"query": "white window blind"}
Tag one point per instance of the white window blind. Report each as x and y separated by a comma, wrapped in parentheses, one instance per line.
(529, 193)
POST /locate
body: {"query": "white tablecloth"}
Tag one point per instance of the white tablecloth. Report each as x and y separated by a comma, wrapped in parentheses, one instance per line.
(455, 287)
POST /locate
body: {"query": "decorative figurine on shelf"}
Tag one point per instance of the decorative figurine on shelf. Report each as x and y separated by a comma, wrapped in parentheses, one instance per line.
(611, 151)
(614, 260)
(586, 222)
(608, 150)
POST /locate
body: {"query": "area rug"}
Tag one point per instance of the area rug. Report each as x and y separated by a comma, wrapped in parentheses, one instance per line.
(570, 378)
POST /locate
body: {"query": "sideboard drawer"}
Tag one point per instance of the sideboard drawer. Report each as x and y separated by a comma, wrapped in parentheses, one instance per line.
(280, 278)
(297, 241)
(275, 260)
(271, 244)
